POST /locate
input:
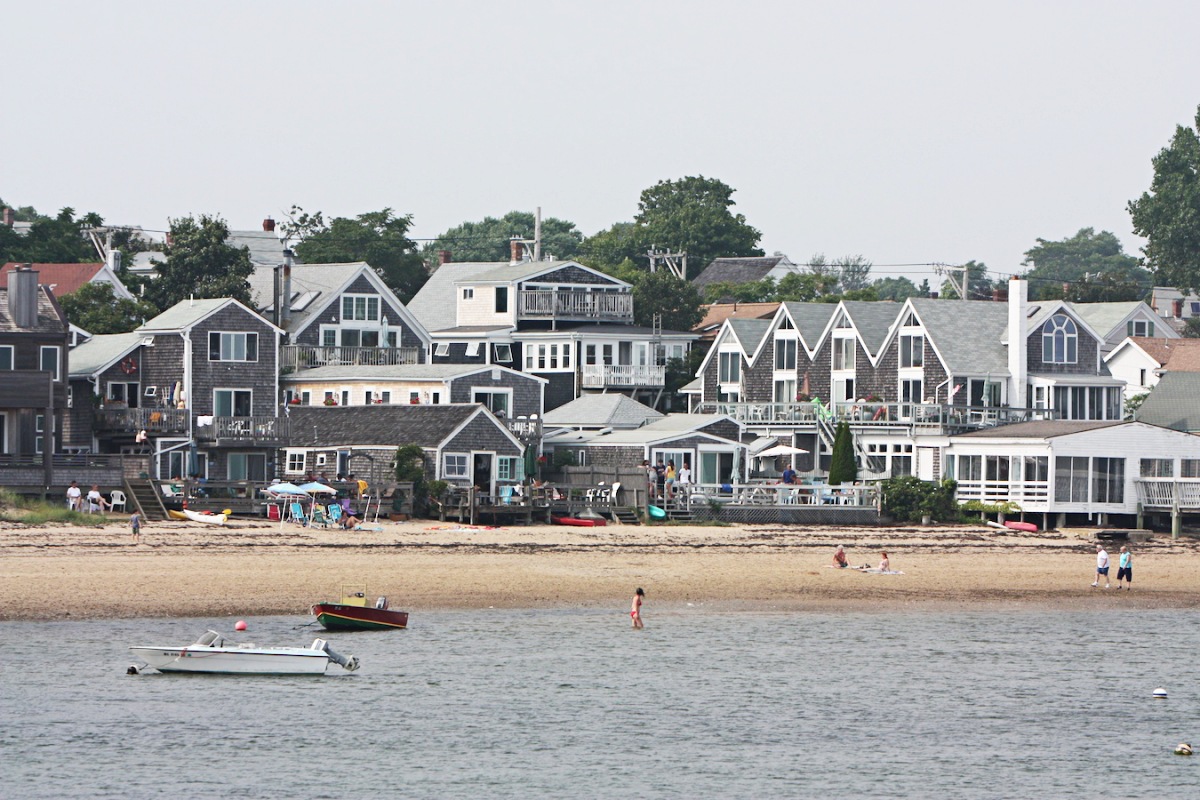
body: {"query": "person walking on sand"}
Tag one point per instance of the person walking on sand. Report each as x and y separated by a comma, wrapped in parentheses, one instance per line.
(1101, 567)
(135, 526)
(1125, 568)
(635, 613)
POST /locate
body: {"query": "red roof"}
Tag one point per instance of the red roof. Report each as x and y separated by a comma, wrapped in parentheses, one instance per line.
(61, 278)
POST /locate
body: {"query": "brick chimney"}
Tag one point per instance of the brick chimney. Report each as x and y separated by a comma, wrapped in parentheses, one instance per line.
(268, 225)
(9, 217)
(514, 246)
(444, 257)
(1177, 308)
(23, 296)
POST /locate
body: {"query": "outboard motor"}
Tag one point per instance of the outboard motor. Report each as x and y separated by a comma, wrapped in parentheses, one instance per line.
(348, 663)
(381, 604)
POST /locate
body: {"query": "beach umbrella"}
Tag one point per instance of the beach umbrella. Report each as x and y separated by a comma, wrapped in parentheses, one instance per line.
(316, 487)
(285, 490)
(781, 450)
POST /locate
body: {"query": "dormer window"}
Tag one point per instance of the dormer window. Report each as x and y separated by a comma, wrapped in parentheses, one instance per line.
(360, 308)
(1060, 340)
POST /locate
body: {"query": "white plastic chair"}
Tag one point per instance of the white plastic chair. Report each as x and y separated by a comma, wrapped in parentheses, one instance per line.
(118, 501)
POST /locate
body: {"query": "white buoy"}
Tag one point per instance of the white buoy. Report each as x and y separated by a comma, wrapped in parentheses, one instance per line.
(1183, 749)
(1160, 694)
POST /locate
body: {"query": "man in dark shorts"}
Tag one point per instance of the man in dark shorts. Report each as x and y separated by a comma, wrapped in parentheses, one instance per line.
(1125, 568)
(1101, 567)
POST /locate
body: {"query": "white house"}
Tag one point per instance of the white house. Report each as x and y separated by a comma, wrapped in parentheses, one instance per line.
(1140, 362)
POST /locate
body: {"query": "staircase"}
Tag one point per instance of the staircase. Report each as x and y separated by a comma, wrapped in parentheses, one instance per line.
(866, 462)
(143, 493)
(627, 516)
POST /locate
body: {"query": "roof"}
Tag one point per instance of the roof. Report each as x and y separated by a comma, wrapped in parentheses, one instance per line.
(750, 332)
(101, 351)
(738, 270)
(1072, 379)
(694, 386)
(810, 319)
(50, 318)
(873, 319)
(398, 372)
(265, 246)
(313, 287)
(1041, 429)
(716, 313)
(967, 334)
(63, 279)
(1104, 317)
(672, 426)
(384, 426)
(601, 410)
(1174, 402)
(1176, 355)
(184, 314)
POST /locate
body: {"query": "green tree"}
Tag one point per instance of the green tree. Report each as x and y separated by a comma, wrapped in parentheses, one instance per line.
(678, 301)
(96, 309)
(843, 468)
(854, 272)
(379, 238)
(898, 289)
(979, 285)
(200, 263)
(1087, 256)
(410, 466)
(763, 291)
(1168, 215)
(488, 240)
(807, 287)
(50, 240)
(619, 246)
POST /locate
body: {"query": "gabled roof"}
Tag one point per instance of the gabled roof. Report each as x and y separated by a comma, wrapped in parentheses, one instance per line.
(811, 320)
(601, 411)
(1107, 318)
(50, 317)
(738, 270)
(672, 426)
(385, 426)
(1176, 355)
(750, 333)
(1049, 308)
(101, 352)
(873, 320)
(399, 372)
(716, 313)
(967, 335)
(1173, 403)
(63, 279)
(186, 313)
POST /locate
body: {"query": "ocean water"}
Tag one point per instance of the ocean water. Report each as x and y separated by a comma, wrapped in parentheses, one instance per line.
(572, 703)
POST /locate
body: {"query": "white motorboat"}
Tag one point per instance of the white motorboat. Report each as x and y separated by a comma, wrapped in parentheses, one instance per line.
(212, 653)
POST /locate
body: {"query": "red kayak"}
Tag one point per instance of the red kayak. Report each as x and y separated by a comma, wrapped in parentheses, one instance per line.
(1021, 526)
(581, 523)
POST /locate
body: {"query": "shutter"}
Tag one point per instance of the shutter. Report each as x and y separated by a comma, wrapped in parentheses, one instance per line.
(1129, 328)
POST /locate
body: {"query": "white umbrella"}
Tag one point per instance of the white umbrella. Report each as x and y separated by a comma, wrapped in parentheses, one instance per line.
(317, 487)
(285, 490)
(781, 450)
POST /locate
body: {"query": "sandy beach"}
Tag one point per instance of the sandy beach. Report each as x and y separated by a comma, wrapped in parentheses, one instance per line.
(252, 567)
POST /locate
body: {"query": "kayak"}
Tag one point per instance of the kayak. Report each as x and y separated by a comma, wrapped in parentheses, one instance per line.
(1021, 526)
(195, 516)
(582, 523)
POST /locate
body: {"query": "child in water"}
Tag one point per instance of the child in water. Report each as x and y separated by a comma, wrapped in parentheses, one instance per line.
(635, 612)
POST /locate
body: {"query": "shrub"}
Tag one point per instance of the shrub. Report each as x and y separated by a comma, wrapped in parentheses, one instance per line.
(14, 508)
(842, 466)
(907, 499)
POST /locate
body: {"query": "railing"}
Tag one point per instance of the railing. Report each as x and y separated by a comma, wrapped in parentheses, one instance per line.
(524, 428)
(915, 415)
(1022, 493)
(151, 420)
(64, 461)
(597, 376)
(780, 494)
(244, 429)
(1168, 492)
(299, 356)
(567, 304)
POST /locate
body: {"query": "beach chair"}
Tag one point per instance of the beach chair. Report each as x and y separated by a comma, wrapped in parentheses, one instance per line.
(335, 514)
(296, 513)
(318, 516)
(118, 500)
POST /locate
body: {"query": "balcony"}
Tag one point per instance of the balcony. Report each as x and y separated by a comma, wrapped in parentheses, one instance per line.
(244, 431)
(155, 421)
(299, 356)
(927, 417)
(574, 305)
(1028, 495)
(525, 428)
(1169, 493)
(600, 376)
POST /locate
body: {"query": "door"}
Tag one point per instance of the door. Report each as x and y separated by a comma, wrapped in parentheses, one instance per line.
(343, 463)
(481, 472)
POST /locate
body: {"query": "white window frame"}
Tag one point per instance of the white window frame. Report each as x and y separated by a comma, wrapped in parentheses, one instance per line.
(12, 356)
(502, 353)
(454, 474)
(472, 350)
(1146, 326)
(786, 346)
(288, 462)
(844, 354)
(494, 390)
(912, 351)
(441, 350)
(1060, 324)
(228, 339)
(366, 299)
(57, 359)
(232, 399)
(727, 360)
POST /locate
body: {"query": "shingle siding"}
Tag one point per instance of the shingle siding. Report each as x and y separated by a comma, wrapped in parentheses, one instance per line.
(258, 376)
(526, 392)
(573, 275)
(1085, 364)
(560, 390)
(481, 434)
(311, 333)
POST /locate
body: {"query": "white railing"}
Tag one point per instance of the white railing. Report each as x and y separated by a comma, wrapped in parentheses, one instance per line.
(1023, 493)
(916, 415)
(780, 494)
(1167, 492)
(567, 304)
(597, 376)
(300, 356)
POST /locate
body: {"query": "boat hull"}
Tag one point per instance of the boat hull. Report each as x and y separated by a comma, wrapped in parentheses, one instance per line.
(339, 617)
(235, 661)
(194, 516)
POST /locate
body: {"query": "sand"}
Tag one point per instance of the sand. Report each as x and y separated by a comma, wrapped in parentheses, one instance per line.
(254, 568)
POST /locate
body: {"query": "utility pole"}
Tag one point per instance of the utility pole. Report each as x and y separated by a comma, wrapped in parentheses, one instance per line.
(952, 274)
(537, 235)
(675, 262)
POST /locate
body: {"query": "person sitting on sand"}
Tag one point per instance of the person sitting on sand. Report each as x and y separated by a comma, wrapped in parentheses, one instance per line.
(885, 565)
(839, 558)
(349, 520)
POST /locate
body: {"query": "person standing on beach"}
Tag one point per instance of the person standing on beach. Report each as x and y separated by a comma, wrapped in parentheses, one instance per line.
(635, 613)
(1101, 567)
(135, 526)
(1125, 568)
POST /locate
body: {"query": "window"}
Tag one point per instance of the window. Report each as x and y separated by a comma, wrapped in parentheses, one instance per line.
(1189, 468)
(468, 293)
(6, 356)
(246, 467)
(414, 398)
(1036, 468)
(368, 397)
(472, 350)
(589, 355)
(124, 392)
(843, 353)
(912, 351)
(1108, 480)
(729, 368)
(454, 465)
(345, 397)
(785, 354)
(305, 398)
(509, 468)
(984, 393)
(441, 350)
(1140, 327)
(329, 337)
(970, 468)
(232, 403)
(295, 462)
(995, 468)
(785, 391)
(1060, 340)
(435, 398)
(497, 401)
(50, 360)
(39, 423)
(1141, 377)
(1070, 479)
(502, 353)
(1157, 468)
(385, 398)
(501, 299)
(232, 346)
(912, 391)
(1195, 307)
(360, 308)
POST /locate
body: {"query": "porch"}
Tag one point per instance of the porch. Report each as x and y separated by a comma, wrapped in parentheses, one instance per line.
(600, 376)
(259, 431)
(157, 421)
(566, 304)
(926, 417)
(298, 356)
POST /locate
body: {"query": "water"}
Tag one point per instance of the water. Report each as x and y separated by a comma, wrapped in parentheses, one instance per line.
(502, 703)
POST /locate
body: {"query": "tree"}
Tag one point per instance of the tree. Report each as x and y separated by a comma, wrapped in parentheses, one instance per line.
(979, 285)
(843, 468)
(1168, 215)
(806, 287)
(678, 301)
(50, 240)
(200, 263)
(96, 309)
(898, 289)
(488, 240)
(1085, 257)
(379, 238)
(854, 272)
(621, 244)
(750, 292)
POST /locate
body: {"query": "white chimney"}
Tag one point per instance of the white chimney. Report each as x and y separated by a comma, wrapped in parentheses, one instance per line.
(1018, 352)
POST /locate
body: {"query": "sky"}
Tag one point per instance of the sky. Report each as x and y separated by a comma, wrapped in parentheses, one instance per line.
(907, 132)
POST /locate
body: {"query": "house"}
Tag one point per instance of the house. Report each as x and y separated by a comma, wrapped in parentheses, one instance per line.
(201, 379)
(266, 248)
(1116, 321)
(1173, 306)
(339, 314)
(715, 315)
(597, 412)
(559, 320)
(65, 279)
(745, 270)
(33, 366)
(1174, 403)
(1140, 361)
(464, 444)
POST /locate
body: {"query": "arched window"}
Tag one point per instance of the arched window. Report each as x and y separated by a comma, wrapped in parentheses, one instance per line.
(1060, 340)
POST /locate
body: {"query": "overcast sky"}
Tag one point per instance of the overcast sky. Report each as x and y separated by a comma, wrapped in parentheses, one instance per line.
(902, 131)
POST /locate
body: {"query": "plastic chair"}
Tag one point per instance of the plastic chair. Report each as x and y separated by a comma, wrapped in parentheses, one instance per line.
(318, 515)
(118, 500)
(296, 512)
(335, 514)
